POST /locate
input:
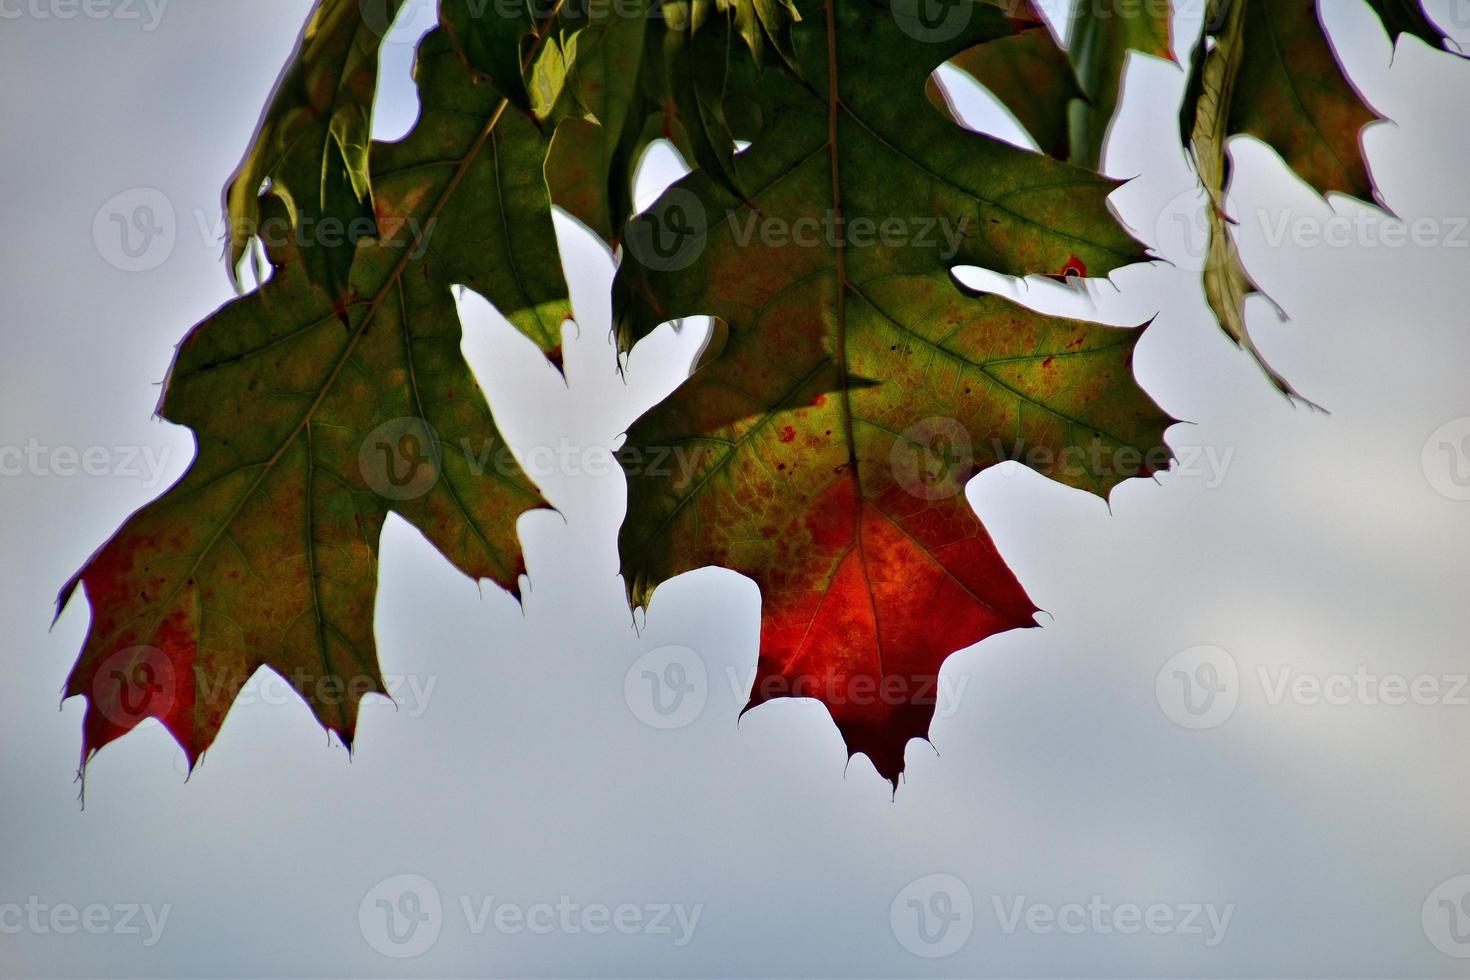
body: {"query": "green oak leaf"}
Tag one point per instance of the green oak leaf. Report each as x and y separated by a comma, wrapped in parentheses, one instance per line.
(1270, 72)
(1103, 32)
(702, 58)
(310, 149)
(766, 24)
(613, 80)
(1291, 94)
(1402, 17)
(1030, 74)
(493, 37)
(1208, 103)
(610, 96)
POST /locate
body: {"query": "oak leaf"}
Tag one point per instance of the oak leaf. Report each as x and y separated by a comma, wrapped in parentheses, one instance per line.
(1266, 68)
(854, 386)
(309, 435)
(310, 149)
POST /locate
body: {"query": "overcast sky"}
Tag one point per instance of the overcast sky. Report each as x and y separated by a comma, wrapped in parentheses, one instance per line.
(522, 814)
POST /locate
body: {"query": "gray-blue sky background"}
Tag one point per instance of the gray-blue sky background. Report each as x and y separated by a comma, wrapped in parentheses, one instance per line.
(1326, 544)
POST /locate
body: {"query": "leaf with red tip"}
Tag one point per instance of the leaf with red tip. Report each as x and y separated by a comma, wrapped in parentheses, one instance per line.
(309, 435)
(823, 446)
